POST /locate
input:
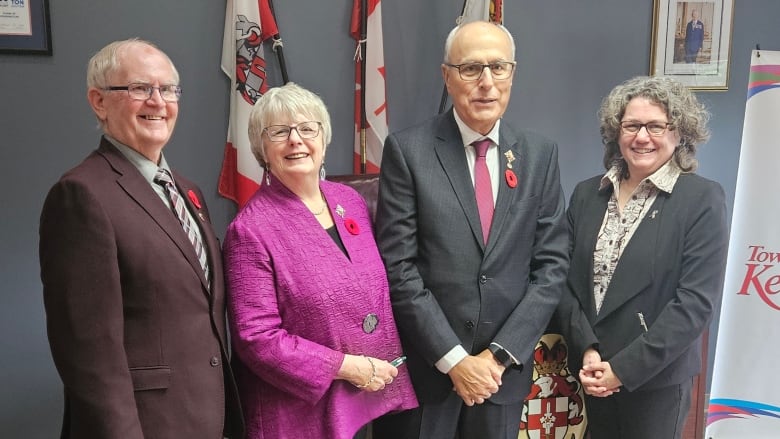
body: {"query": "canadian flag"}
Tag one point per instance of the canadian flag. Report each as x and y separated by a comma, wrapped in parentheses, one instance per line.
(374, 127)
(247, 24)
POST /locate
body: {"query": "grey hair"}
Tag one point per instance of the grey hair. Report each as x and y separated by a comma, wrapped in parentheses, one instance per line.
(454, 32)
(286, 101)
(107, 61)
(685, 113)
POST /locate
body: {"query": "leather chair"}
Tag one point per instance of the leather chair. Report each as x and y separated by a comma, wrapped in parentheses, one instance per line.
(366, 185)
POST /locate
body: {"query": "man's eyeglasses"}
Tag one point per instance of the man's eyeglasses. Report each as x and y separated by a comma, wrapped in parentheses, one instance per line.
(473, 71)
(306, 130)
(141, 92)
(653, 128)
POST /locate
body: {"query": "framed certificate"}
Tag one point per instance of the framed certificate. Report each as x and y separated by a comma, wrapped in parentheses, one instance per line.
(25, 27)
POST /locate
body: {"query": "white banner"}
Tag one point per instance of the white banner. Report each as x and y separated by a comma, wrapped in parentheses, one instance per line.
(745, 397)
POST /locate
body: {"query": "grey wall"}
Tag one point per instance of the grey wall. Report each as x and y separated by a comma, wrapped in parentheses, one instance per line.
(570, 54)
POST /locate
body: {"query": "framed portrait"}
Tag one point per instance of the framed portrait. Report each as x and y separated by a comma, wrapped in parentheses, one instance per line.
(25, 27)
(691, 42)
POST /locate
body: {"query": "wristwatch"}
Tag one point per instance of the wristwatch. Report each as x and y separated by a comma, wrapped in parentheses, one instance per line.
(502, 355)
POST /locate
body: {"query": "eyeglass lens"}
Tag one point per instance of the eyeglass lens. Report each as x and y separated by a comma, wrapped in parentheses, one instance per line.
(473, 71)
(654, 128)
(307, 130)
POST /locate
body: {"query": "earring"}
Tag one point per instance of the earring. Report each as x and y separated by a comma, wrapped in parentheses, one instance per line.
(267, 172)
(322, 171)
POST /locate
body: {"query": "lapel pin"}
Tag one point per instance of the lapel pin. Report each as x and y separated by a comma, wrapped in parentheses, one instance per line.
(194, 198)
(340, 210)
(510, 157)
(653, 214)
(352, 226)
(511, 178)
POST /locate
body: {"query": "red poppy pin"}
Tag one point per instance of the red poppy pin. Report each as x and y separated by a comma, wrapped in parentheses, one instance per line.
(509, 174)
(352, 226)
(194, 198)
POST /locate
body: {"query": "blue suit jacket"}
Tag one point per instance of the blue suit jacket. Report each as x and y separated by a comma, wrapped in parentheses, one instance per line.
(447, 287)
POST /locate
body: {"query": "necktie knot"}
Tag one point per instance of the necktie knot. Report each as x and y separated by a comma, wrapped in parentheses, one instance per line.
(163, 177)
(481, 147)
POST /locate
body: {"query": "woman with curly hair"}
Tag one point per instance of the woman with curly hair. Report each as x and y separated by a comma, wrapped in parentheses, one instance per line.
(648, 255)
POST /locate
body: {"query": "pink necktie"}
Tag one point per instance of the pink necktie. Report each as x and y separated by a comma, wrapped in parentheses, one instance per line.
(482, 187)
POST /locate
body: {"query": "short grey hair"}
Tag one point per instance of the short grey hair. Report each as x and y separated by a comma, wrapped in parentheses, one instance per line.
(454, 32)
(685, 113)
(106, 62)
(286, 101)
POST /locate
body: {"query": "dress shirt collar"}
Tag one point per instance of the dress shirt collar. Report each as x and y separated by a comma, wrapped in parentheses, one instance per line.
(469, 136)
(146, 167)
(664, 178)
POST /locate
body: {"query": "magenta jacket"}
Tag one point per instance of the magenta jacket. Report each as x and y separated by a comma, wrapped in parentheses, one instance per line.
(297, 305)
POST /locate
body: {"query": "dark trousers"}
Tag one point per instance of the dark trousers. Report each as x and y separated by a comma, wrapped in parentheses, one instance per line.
(651, 414)
(451, 419)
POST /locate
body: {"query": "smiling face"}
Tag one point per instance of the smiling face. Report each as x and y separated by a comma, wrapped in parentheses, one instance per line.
(482, 102)
(295, 161)
(144, 125)
(644, 154)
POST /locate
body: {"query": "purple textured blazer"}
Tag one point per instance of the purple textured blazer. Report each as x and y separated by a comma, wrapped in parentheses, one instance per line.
(297, 306)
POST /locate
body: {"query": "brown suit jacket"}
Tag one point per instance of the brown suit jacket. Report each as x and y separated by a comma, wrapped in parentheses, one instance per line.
(136, 334)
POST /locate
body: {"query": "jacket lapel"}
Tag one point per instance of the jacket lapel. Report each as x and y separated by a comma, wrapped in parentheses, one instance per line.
(200, 215)
(506, 194)
(452, 156)
(634, 271)
(138, 189)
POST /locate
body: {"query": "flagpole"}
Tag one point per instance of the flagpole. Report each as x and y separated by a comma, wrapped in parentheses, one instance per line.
(363, 32)
(443, 101)
(278, 47)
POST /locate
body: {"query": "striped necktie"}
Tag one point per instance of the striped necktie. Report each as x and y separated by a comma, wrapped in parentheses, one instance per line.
(164, 179)
(482, 187)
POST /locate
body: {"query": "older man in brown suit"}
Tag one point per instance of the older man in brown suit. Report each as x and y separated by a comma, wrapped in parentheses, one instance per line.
(131, 271)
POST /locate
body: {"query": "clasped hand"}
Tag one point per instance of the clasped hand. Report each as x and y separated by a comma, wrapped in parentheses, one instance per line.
(477, 377)
(597, 377)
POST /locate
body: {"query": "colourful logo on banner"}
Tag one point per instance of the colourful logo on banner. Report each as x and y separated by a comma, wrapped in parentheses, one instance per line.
(722, 408)
(761, 276)
(763, 78)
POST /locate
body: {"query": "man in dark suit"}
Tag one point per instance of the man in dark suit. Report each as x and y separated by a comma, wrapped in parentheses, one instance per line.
(475, 269)
(694, 37)
(134, 303)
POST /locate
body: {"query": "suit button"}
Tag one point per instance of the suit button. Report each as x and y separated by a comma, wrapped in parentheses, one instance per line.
(483, 279)
(469, 324)
(214, 361)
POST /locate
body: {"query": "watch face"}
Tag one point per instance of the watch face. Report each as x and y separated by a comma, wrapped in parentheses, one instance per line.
(502, 356)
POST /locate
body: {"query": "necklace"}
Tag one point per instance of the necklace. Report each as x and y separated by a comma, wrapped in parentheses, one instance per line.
(322, 209)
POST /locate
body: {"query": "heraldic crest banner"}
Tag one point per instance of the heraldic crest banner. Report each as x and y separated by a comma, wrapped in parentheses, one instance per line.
(554, 408)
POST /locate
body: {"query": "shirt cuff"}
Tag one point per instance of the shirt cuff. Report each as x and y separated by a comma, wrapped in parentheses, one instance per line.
(451, 358)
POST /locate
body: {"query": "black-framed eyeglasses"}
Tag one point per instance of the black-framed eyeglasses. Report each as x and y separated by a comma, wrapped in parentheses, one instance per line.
(654, 128)
(306, 130)
(472, 71)
(140, 92)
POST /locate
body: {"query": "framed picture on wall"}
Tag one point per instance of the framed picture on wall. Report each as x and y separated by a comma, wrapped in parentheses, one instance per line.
(691, 41)
(25, 27)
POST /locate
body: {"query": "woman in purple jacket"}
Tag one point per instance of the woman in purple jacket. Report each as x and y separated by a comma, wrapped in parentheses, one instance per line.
(308, 296)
